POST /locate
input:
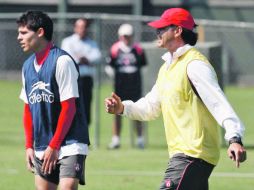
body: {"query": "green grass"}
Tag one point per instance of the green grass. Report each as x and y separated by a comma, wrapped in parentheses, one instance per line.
(124, 169)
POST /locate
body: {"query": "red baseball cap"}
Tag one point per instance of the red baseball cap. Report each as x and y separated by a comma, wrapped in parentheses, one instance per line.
(175, 16)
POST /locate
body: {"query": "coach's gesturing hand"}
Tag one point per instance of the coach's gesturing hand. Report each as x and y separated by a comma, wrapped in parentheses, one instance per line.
(114, 104)
(237, 153)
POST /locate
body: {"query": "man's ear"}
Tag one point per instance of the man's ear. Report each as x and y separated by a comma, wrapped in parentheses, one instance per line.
(178, 31)
(40, 32)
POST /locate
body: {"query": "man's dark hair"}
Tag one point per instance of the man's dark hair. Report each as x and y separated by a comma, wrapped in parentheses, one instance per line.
(189, 37)
(35, 20)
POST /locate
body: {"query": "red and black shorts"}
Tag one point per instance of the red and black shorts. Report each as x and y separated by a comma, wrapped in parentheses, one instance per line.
(186, 173)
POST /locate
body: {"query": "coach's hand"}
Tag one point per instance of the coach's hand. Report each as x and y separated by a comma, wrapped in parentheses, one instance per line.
(114, 104)
(49, 158)
(30, 159)
(237, 153)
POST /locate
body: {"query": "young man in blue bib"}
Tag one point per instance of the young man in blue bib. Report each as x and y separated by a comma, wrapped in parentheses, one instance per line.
(56, 131)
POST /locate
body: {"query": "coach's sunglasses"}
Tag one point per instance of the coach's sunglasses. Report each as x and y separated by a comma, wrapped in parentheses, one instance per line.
(161, 31)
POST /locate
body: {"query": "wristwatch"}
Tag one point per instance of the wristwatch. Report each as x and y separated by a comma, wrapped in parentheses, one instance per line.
(235, 140)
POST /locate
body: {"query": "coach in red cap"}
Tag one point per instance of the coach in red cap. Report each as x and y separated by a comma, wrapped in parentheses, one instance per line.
(187, 94)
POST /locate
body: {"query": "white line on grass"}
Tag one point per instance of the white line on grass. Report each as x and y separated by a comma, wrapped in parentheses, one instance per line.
(13, 171)
(9, 171)
(228, 174)
(151, 173)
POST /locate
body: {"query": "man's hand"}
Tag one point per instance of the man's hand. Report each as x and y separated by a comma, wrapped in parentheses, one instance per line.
(30, 159)
(49, 158)
(114, 104)
(237, 153)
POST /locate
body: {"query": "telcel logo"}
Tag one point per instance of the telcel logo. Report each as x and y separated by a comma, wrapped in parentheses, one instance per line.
(45, 95)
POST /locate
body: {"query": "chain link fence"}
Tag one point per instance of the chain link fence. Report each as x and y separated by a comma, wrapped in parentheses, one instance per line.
(236, 38)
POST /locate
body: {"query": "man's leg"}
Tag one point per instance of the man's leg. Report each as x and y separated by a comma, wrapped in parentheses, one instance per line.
(72, 170)
(196, 175)
(87, 88)
(42, 184)
(45, 181)
(185, 173)
(140, 134)
(69, 183)
(117, 126)
(116, 131)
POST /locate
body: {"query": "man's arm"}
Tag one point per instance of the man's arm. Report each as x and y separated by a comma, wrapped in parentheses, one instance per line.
(28, 128)
(50, 157)
(203, 78)
(68, 110)
(146, 108)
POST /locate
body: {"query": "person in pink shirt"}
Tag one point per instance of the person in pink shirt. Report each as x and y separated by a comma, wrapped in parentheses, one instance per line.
(127, 58)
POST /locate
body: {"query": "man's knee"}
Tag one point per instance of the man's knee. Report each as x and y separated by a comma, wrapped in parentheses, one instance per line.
(69, 184)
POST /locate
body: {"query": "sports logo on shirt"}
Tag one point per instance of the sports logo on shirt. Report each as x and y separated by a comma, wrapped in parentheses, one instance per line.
(43, 95)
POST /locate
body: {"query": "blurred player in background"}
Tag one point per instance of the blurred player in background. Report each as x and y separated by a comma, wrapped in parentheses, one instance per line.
(86, 53)
(56, 132)
(127, 58)
(191, 101)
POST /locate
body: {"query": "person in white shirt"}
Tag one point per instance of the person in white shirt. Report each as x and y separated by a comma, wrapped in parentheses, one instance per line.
(86, 53)
(191, 101)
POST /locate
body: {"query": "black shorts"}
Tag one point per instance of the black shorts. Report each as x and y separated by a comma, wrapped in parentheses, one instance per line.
(186, 173)
(128, 86)
(69, 166)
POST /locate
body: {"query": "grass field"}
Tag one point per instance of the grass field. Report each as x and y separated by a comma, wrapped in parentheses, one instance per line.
(124, 169)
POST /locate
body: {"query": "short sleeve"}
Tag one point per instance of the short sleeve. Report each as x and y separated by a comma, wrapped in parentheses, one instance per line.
(22, 95)
(67, 78)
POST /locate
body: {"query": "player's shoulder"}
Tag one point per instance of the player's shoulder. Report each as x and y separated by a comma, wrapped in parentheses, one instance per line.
(66, 63)
(61, 55)
(57, 51)
(65, 59)
(115, 48)
(137, 46)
